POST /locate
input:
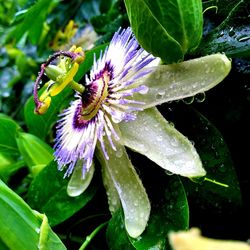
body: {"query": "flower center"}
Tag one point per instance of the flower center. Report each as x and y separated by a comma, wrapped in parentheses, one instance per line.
(94, 95)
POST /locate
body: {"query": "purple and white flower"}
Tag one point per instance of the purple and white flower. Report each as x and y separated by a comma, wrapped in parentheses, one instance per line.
(124, 80)
(106, 100)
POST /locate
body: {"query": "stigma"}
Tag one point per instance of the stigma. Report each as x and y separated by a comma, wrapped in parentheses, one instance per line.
(94, 95)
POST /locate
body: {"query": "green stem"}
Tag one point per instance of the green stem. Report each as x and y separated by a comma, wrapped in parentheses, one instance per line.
(76, 86)
(92, 235)
(216, 182)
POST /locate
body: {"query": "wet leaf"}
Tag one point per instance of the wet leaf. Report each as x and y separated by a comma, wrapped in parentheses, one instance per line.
(48, 194)
(231, 36)
(216, 160)
(21, 227)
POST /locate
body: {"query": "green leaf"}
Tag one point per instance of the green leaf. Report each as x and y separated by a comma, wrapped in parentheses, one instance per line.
(232, 36)
(32, 22)
(167, 29)
(173, 82)
(169, 212)
(34, 150)
(48, 194)
(8, 165)
(8, 131)
(151, 135)
(133, 197)
(216, 160)
(40, 125)
(21, 227)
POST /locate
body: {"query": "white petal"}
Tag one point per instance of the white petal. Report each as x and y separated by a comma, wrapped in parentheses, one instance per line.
(151, 135)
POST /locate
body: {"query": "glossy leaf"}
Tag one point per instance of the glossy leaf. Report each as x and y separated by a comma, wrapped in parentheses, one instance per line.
(133, 197)
(231, 36)
(173, 82)
(8, 131)
(216, 160)
(48, 194)
(33, 21)
(21, 227)
(34, 150)
(167, 29)
(169, 212)
(151, 135)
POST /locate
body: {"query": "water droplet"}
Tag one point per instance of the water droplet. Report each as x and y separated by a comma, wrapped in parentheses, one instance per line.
(243, 38)
(168, 172)
(220, 34)
(119, 153)
(174, 142)
(136, 204)
(222, 168)
(171, 124)
(159, 138)
(144, 90)
(161, 92)
(188, 100)
(200, 97)
(142, 215)
(231, 32)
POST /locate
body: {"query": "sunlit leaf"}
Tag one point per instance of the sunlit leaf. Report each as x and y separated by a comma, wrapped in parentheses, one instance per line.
(21, 227)
(34, 150)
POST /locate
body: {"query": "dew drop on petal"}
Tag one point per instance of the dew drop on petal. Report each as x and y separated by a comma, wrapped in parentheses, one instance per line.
(119, 153)
(200, 97)
(168, 172)
(159, 138)
(144, 90)
(188, 100)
